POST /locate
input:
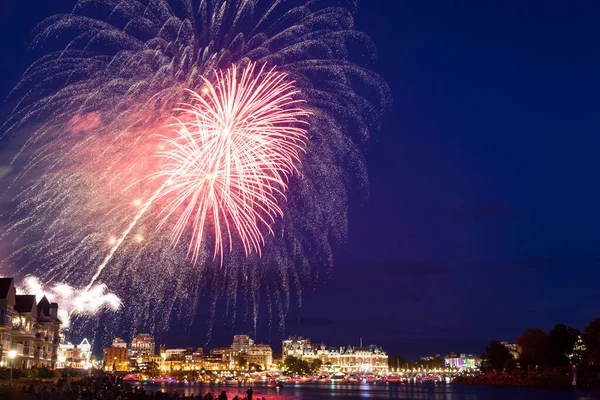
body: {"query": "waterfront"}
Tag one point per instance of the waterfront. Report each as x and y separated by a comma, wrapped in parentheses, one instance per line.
(322, 391)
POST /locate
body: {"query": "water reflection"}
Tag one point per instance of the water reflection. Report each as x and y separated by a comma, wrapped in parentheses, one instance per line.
(411, 391)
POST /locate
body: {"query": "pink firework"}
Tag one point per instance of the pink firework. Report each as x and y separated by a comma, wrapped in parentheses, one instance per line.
(238, 141)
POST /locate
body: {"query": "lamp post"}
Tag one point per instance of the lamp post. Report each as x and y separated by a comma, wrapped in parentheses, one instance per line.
(11, 354)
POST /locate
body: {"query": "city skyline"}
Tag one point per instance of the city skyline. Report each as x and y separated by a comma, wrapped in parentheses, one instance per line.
(482, 190)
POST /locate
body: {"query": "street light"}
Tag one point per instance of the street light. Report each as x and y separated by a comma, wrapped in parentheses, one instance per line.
(11, 354)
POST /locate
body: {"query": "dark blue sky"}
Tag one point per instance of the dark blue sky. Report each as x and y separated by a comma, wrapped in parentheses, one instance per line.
(482, 217)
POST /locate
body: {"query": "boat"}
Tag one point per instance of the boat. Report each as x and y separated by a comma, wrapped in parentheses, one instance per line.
(393, 379)
(161, 379)
(371, 379)
(131, 378)
(277, 384)
(337, 377)
(426, 379)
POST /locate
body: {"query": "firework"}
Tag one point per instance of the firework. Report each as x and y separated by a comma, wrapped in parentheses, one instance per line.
(231, 160)
(72, 301)
(208, 148)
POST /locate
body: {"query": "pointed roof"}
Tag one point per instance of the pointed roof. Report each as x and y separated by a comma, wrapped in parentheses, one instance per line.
(5, 284)
(44, 307)
(24, 302)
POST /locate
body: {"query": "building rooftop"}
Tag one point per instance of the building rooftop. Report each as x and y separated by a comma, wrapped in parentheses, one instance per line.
(44, 307)
(5, 286)
(24, 303)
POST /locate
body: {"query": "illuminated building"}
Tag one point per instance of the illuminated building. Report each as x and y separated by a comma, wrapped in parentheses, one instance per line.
(243, 350)
(115, 358)
(74, 356)
(215, 362)
(430, 358)
(260, 354)
(181, 359)
(193, 359)
(515, 349)
(29, 328)
(118, 342)
(175, 354)
(229, 356)
(241, 343)
(47, 336)
(173, 359)
(346, 359)
(142, 346)
(462, 361)
(294, 346)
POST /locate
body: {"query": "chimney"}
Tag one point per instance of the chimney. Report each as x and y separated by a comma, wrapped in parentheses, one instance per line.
(361, 341)
(54, 310)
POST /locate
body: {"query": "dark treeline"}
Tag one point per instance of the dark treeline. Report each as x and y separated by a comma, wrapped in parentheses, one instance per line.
(561, 347)
(399, 362)
(543, 358)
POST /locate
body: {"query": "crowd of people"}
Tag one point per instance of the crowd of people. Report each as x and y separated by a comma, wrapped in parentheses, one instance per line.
(111, 388)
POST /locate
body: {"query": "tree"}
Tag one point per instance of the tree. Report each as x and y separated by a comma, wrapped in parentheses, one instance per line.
(534, 347)
(395, 362)
(497, 357)
(579, 348)
(296, 366)
(561, 341)
(255, 367)
(316, 366)
(243, 362)
(591, 338)
(151, 368)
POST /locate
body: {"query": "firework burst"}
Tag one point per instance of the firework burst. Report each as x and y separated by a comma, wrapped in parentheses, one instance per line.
(231, 159)
(168, 153)
(72, 301)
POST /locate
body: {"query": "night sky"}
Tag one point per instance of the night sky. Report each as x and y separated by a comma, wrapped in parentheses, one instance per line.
(482, 217)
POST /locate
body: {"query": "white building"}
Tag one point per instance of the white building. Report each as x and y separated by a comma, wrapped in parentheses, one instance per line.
(347, 359)
(295, 346)
(74, 356)
(462, 361)
(174, 354)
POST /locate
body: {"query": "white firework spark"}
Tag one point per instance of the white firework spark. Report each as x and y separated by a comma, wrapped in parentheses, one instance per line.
(72, 301)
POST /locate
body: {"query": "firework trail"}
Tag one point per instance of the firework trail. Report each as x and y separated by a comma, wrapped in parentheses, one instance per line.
(116, 243)
(131, 94)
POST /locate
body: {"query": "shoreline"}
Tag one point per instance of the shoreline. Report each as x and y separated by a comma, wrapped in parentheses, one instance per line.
(543, 380)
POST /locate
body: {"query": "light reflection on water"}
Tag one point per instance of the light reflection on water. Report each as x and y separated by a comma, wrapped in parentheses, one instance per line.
(413, 391)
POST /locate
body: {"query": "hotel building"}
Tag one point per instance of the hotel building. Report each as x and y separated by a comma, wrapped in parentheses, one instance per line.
(346, 359)
(28, 328)
(115, 358)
